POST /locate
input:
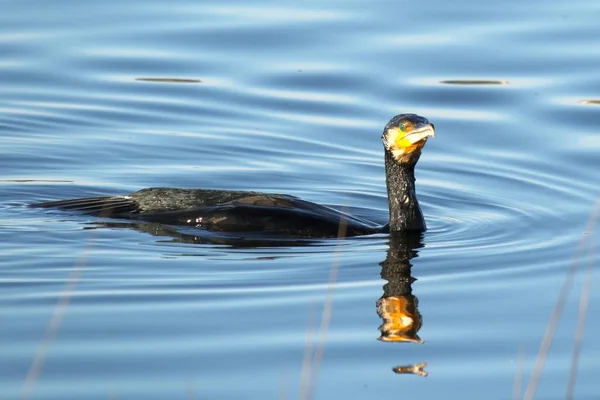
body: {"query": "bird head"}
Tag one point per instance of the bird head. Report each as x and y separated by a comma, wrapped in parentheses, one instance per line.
(404, 137)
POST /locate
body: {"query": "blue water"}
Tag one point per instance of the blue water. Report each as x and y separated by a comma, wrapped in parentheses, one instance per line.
(101, 98)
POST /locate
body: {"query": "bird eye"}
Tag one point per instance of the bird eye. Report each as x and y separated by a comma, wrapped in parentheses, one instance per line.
(403, 127)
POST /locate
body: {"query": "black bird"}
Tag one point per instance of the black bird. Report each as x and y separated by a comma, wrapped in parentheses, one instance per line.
(243, 211)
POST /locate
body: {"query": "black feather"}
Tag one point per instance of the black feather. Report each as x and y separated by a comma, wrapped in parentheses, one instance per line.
(106, 206)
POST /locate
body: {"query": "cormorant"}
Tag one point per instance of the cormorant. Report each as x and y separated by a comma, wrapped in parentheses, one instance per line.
(243, 211)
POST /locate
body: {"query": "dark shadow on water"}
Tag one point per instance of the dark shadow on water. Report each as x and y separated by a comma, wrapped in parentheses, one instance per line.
(169, 80)
(202, 236)
(473, 82)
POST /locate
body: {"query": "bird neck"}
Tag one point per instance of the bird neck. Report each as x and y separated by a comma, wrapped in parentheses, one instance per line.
(405, 213)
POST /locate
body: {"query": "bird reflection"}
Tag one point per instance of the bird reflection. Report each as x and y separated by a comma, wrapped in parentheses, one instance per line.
(398, 307)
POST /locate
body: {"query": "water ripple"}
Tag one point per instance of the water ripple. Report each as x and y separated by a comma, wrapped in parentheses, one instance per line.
(292, 98)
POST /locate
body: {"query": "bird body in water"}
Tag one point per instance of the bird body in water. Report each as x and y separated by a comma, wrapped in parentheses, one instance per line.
(243, 211)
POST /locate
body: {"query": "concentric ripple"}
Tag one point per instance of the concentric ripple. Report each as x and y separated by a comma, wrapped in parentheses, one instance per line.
(99, 99)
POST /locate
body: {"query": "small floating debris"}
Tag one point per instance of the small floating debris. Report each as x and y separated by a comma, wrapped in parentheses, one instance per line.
(414, 369)
(171, 80)
(594, 102)
(473, 82)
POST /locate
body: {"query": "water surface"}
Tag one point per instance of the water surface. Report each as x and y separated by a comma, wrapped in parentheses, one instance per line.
(289, 97)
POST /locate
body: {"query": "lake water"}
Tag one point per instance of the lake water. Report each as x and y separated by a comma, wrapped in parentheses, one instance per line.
(101, 98)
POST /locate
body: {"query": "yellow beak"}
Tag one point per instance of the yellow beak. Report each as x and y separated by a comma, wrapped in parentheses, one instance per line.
(417, 135)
